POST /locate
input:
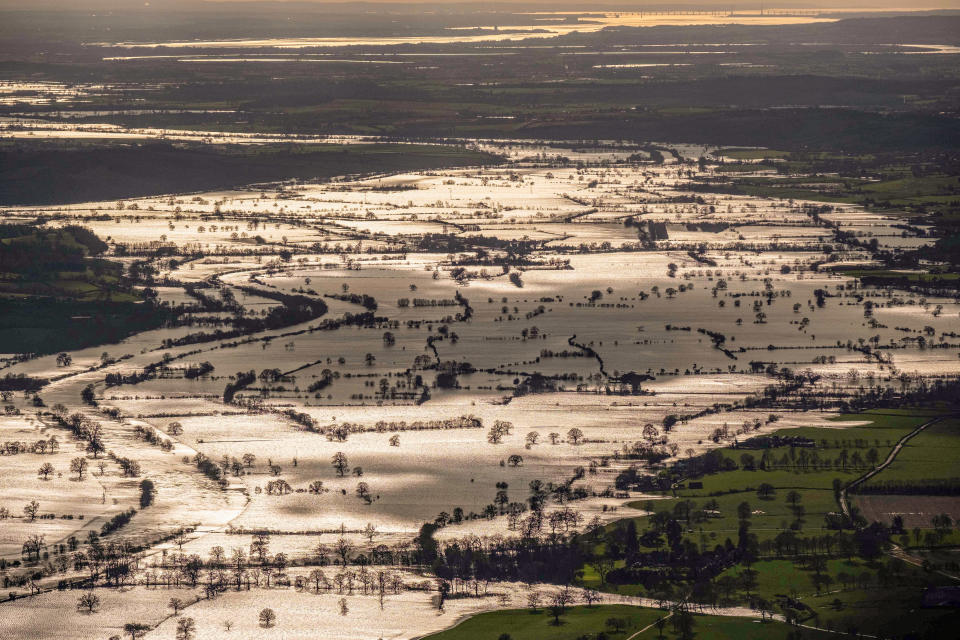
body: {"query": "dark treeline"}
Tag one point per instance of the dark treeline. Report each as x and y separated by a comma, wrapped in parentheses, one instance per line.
(923, 487)
(32, 249)
(41, 325)
(49, 175)
(529, 560)
(243, 380)
(362, 299)
(294, 309)
(20, 382)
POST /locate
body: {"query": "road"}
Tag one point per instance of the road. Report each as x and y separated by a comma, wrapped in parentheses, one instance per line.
(844, 504)
(895, 551)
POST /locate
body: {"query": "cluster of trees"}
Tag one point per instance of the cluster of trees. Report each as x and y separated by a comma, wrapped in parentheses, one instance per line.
(84, 429)
(529, 559)
(362, 299)
(326, 379)
(114, 562)
(294, 309)
(34, 249)
(242, 380)
(21, 382)
(148, 434)
(197, 371)
(499, 429)
(210, 469)
(130, 467)
(14, 447)
(341, 431)
(118, 521)
(427, 302)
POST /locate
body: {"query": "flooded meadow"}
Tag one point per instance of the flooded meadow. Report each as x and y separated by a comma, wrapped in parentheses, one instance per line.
(482, 329)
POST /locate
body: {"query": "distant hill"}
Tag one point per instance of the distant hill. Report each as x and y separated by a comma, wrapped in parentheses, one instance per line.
(37, 175)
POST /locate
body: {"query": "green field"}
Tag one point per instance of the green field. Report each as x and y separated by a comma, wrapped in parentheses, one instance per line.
(896, 192)
(523, 624)
(893, 612)
(751, 154)
(837, 587)
(930, 455)
(814, 485)
(726, 628)
(587, 622)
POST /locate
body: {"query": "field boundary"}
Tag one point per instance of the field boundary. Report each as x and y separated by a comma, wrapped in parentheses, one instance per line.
(844, 502)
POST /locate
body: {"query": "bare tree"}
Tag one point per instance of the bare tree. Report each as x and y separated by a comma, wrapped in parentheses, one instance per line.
(260, 546)
(88, 602)
(603, 565)
(33, 545)
(267, 617)
(343, 549)
(318, 578)
(591, 596)
(363, 492)
(31, 510)
(79, 467)
(186, 628)
(558, 604)
(340, 463)
(136, 629)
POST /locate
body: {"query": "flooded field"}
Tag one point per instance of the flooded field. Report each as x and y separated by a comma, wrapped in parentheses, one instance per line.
(467, 321)
(628, 299)
(619, 273)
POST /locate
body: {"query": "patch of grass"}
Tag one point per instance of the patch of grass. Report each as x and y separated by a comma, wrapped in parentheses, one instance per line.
(579, 622)
(49, 325)
(750, 167)
(891, 613)
(727, 628)
(751, 154)
(54, 296)
(714, 519)
(937, 194)
(814, 485)
(930, 455)
(523, 624)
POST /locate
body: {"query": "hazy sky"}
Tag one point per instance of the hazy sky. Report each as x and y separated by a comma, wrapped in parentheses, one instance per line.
(585, 4)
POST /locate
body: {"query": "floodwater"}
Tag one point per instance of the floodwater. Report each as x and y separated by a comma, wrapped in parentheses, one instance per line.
(590, 280)
(536, 29)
